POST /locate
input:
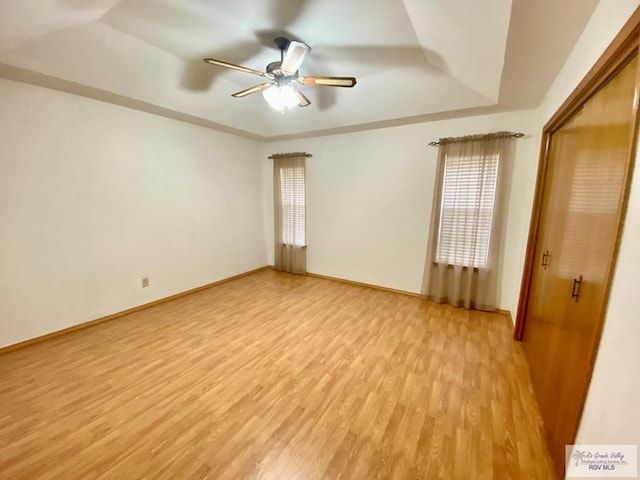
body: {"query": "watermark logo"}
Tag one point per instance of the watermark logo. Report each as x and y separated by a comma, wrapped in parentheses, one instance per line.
(603, 461)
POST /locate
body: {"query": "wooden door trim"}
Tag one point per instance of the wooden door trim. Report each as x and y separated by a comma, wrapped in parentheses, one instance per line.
(623, 47)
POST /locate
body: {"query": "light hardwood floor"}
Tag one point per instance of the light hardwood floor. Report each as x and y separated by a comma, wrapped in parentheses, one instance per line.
(275, 376)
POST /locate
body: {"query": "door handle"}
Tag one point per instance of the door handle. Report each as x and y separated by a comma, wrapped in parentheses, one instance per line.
(575, 292)
(545, 259)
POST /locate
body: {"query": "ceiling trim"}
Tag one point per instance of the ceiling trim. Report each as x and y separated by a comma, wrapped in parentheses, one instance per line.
(399, 122)
(23, 75)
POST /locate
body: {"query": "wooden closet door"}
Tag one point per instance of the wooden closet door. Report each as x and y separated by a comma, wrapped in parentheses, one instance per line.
(581, 208)
(547, 299)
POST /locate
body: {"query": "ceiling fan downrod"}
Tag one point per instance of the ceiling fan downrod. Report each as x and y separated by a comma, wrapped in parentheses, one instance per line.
(282, 43)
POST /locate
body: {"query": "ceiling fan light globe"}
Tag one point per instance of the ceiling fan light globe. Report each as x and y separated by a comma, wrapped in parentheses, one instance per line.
(281, 97)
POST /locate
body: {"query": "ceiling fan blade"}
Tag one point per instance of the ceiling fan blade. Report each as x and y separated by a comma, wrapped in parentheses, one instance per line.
(304, 101)
(294, 56)
(250, 90)
(329, 81)
(232, 66)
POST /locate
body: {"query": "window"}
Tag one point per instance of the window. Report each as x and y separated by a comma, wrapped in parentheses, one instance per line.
(468, 220)
(466, 210)
(290, 250)
(292, 191)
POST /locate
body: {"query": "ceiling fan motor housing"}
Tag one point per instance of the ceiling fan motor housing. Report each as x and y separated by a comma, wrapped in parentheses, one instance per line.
(280, 76)
(273, 67)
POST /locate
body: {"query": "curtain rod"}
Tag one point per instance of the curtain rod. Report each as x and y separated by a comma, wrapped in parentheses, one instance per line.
(285, 155)
(516, 135)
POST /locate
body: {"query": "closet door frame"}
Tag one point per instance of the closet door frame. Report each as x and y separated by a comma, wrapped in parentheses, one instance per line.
(623, 47)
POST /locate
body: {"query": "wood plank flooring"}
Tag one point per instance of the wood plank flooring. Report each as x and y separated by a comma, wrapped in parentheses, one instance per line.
(275, 376)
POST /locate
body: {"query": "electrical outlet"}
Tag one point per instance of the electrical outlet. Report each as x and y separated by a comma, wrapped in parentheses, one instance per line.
(145, 282)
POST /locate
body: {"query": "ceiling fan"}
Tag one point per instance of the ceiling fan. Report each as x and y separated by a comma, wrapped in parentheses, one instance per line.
(280, 90)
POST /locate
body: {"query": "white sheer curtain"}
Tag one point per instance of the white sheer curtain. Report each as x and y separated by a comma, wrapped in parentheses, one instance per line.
(289, 177)
(467, 220)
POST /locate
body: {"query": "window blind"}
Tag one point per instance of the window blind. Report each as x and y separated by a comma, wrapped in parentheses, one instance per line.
(466, 210)
(292, 185)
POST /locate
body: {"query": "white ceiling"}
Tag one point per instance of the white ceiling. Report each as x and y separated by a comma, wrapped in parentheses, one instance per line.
(415, 60)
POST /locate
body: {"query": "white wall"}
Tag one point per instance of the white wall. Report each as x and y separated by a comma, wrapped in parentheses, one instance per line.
(369, 198)
(94, 196)
(612, 411)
